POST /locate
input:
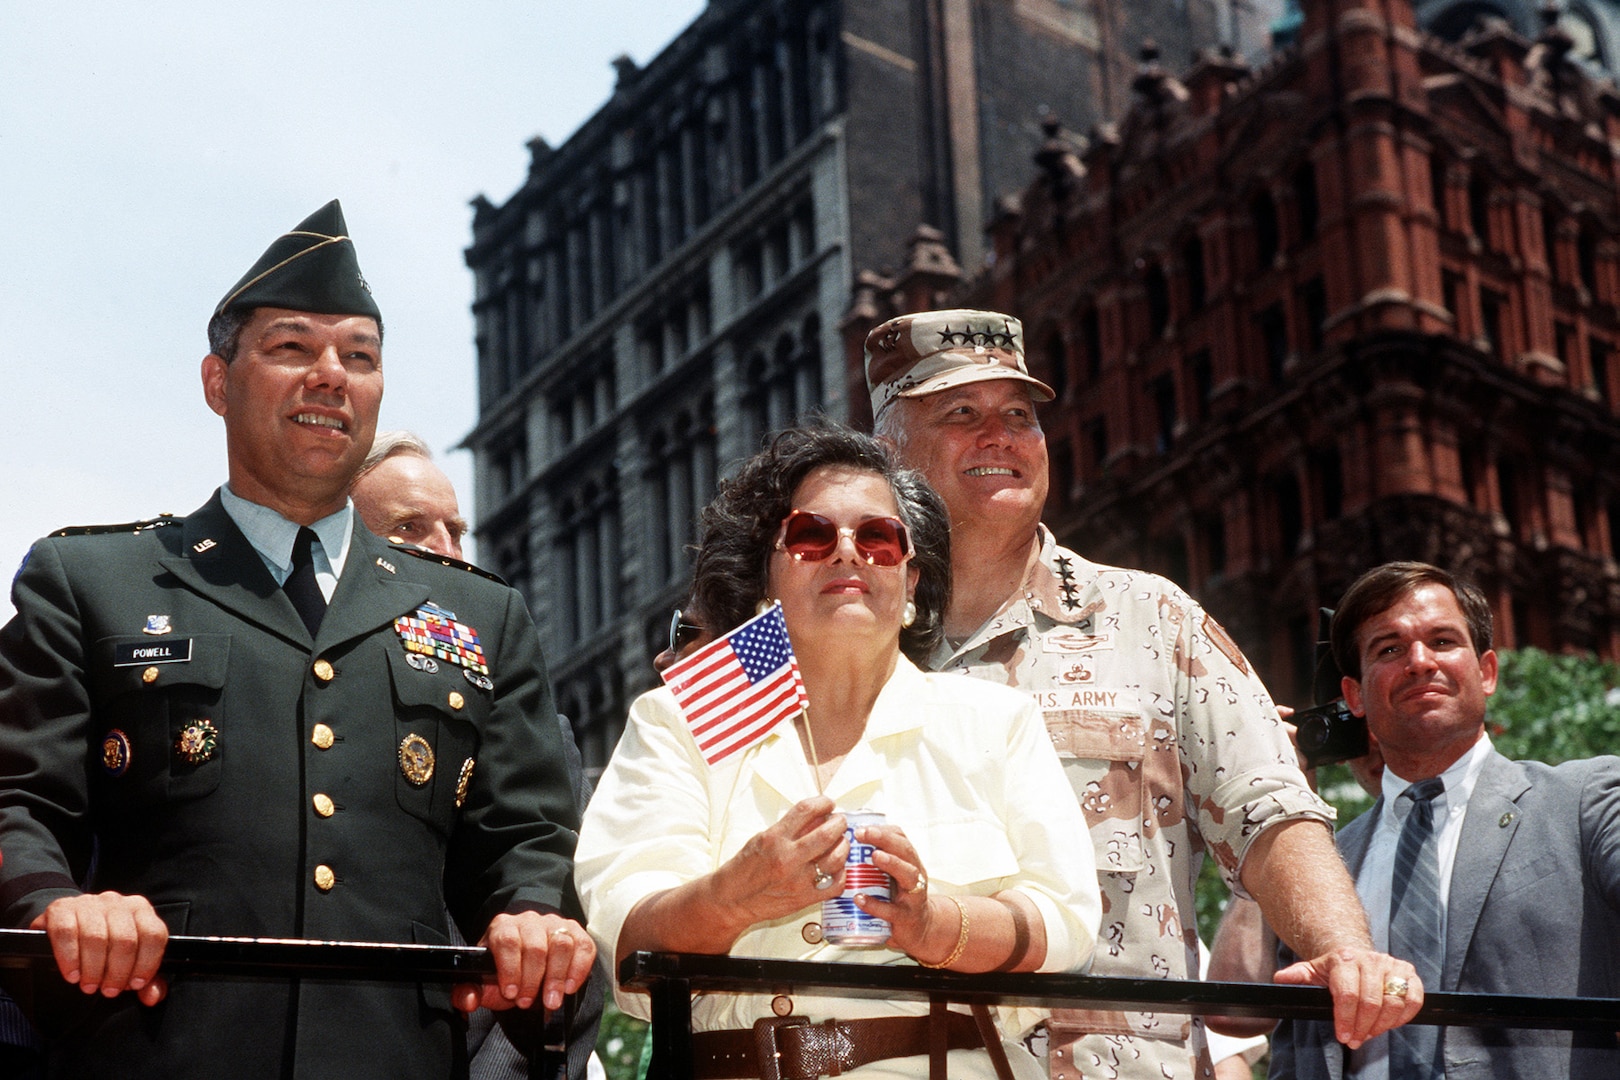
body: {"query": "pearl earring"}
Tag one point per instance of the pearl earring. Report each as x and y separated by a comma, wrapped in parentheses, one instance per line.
(909, 615)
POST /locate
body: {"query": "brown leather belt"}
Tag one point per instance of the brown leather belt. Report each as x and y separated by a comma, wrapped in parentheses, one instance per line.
(792, 1048)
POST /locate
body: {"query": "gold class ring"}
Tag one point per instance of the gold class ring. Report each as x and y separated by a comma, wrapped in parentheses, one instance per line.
(1395, 986)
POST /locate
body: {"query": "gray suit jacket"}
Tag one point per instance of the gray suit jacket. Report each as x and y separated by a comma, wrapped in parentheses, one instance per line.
(1534, 909)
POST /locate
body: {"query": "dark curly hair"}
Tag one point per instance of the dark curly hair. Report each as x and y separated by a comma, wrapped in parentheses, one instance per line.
(737, 529)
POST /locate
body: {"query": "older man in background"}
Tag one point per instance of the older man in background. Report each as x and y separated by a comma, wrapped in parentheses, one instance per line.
(404, 497)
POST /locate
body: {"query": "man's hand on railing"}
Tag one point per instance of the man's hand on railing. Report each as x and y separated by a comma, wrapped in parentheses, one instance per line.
(108, 942)
(1372, 991)
(537, 956)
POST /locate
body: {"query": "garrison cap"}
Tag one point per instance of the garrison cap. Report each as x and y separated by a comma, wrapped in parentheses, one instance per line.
(923, 353)
(312, 268)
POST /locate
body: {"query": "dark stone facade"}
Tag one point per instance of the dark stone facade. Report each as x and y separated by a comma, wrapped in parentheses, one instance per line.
(1356, 304)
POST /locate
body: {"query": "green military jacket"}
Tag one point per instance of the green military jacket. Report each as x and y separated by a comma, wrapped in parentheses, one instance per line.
(169, 729)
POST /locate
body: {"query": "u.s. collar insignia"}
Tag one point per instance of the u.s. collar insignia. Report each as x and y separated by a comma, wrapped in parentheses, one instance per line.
(463, 781)
(203, 545)
(115, 753)
(416, 759)
(433, 631)
(481, 681)
(386, 565)
(156, 624)
(422, 663)
(197, 741)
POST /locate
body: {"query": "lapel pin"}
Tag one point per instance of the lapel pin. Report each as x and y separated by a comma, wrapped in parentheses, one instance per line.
(1505, 820)
(416, 759)
(156, 624)
(196, 741)
(115, 753)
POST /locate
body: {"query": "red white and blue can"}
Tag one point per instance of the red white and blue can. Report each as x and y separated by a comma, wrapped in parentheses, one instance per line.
(842, 923)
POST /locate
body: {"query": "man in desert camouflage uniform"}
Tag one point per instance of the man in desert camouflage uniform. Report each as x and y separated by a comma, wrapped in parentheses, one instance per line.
(1171, 742)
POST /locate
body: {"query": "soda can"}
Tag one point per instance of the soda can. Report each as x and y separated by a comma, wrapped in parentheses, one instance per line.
(842, 923)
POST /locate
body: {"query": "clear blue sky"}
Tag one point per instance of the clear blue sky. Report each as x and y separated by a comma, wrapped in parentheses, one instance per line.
(148, 154)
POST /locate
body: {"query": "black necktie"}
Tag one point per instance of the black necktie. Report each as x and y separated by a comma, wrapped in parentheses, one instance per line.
(301, 587)
(1415, 922)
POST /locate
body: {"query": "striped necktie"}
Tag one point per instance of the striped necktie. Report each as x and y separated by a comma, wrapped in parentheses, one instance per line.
(1416, 928)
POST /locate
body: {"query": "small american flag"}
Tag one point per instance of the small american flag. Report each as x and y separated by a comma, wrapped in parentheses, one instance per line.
(735, 689)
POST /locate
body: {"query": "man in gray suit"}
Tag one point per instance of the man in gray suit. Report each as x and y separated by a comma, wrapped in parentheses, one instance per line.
(1527, 854)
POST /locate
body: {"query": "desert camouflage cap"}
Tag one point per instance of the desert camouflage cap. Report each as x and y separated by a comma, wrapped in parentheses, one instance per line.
(311, 268)
(929, 351)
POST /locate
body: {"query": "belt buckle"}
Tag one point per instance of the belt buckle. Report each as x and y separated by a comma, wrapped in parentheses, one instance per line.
(765, 1049)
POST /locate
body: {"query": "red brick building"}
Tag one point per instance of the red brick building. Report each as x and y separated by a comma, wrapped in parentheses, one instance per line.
(1357, 304)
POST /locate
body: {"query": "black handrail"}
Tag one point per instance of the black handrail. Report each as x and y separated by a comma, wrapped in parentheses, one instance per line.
(243, 956)
(672, 978)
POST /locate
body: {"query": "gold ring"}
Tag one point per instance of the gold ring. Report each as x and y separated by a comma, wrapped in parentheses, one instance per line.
(922, 883)
(1395, 986)
(822, 879)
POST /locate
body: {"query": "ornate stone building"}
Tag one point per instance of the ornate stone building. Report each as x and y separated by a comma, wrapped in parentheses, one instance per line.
(666, 285)
(1356, 304)
(1593, 25)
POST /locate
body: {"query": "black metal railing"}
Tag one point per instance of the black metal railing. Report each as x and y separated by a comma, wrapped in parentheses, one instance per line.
(672, 978)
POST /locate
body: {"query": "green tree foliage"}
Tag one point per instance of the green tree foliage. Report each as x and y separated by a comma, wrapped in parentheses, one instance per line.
(618, 1043)
(1554, 707)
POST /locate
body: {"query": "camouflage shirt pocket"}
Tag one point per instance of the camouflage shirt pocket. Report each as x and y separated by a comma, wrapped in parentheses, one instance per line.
(1102, 754)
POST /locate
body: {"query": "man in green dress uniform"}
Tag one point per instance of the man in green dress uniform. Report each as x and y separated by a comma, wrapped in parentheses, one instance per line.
(261, 720)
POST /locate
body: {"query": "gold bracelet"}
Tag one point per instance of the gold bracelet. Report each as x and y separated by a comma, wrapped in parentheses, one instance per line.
(961, 938)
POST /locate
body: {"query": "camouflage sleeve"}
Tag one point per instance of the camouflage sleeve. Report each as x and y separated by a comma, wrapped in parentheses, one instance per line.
(1242, 775)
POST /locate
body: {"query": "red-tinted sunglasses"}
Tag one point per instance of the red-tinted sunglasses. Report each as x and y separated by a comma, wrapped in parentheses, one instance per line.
(881, 541)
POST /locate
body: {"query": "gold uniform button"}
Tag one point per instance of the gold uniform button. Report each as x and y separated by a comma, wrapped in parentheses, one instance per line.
(811, 933)
(324, 878)
(781, 1005)
(456, 700)
(323, 671)
(149, 675)
(322, 737)
(324, 805)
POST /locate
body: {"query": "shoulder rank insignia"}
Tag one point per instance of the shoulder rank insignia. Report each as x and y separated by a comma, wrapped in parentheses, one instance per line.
(445, 560)
(127, 527)
(433, 631)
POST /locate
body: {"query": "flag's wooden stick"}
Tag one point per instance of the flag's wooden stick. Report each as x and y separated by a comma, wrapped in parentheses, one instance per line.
(815, 760)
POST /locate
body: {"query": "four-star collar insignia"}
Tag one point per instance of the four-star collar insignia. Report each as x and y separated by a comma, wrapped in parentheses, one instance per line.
(434, 632)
